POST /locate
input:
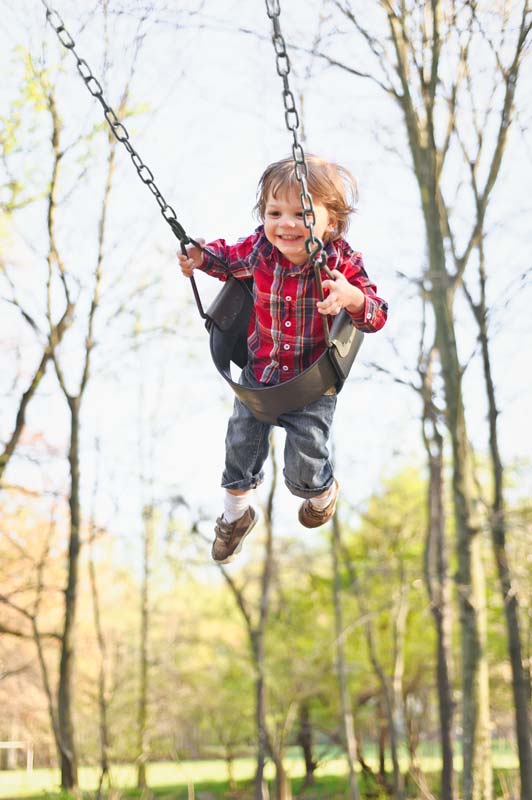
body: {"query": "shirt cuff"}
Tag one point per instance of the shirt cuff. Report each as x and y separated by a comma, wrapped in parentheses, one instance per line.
(367, 315)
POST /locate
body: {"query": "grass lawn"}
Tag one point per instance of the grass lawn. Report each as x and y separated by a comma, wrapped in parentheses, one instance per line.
(208, 780)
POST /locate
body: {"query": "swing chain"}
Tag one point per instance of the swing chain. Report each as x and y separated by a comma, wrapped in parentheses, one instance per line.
(122, 135)
(118, 128)
(313, 245)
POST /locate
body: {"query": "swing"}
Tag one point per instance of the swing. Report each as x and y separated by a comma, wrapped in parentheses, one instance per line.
(227, 321)
(227, 318)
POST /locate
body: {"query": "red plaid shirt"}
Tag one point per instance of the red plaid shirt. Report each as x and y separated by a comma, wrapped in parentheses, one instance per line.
(285, 334)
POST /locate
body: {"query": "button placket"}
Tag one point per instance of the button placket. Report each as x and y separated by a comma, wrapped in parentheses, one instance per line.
(287, 323)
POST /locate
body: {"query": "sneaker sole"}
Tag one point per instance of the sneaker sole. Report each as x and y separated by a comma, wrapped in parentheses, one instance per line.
(239, 547)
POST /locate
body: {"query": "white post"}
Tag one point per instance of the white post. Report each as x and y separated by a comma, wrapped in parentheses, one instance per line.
(29, 757)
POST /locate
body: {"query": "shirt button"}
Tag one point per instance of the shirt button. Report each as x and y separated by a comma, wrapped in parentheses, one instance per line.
(368, 316)
(288, 298)
(286, 346)
(285, 368)
(288, 323)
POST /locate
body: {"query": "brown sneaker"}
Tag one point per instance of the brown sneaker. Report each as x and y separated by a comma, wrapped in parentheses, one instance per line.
(230, 536)
(312, 517)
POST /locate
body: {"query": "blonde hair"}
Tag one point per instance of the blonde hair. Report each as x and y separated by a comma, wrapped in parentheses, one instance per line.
(329, 184)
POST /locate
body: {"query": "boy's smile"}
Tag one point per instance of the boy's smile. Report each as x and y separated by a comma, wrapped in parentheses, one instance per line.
(285, 229)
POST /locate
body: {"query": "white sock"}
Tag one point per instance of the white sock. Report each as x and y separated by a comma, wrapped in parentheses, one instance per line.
(235, 505)
(323, 500)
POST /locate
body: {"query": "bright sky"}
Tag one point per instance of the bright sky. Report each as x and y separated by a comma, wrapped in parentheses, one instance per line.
(211, 120)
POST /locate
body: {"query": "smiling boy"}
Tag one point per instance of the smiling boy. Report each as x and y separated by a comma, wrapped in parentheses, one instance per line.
(285, 336)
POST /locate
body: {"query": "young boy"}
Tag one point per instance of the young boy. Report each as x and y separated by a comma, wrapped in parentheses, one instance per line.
(286, 336)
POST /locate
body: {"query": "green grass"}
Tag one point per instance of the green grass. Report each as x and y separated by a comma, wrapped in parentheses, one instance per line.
(209, 778)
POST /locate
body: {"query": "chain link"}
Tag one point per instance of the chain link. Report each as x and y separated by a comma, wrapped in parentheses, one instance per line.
(313, 244)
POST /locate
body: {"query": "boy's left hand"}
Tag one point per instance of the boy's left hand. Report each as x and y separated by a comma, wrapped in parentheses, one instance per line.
(342, 294)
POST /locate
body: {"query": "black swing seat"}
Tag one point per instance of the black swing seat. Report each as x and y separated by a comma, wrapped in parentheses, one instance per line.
(227, 320)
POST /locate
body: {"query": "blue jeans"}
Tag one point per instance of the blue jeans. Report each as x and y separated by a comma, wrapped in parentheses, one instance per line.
(307, 468)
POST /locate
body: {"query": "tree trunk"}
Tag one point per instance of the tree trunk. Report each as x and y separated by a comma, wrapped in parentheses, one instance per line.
(420, 131)
(283, 784)
(102, 674)
(20, 420)
(260, 711)
(438, 583)
(387, 689)
(345, 700)
(304, 740)
(256, 633)
(382, 744)
(520, 678)
(399, 624)
(65, 725)
(142, 732)
(260, 632)
(67, 752)
(38, 639)
(477, 770)
(230, 761)
(398, 782)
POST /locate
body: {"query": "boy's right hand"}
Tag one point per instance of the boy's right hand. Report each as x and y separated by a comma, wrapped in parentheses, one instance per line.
(192, 260)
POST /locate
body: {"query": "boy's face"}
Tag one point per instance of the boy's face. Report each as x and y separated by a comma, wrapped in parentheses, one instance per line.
(284, 226)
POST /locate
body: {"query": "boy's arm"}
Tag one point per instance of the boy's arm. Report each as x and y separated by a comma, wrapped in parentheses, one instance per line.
(369, 313)
(234, 255)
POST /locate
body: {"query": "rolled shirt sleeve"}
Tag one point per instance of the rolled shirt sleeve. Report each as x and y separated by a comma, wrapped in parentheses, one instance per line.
(374, 314)
(235, 256)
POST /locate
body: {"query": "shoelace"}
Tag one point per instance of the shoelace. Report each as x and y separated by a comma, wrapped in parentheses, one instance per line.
(223, 529)
(317, 512)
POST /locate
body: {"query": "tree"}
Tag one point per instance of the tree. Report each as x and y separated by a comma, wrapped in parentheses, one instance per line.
(256, 629)
(103, 691)
(142, 749)
(347, 713)
(435, 557)
(421, 55)
(33, 101)
(74, 399)
(390, 621)
(63, 722)
(497, 511)
(436, 568)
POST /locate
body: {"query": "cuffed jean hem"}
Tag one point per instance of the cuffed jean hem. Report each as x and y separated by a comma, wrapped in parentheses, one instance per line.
(306, 493)
(244, 484)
